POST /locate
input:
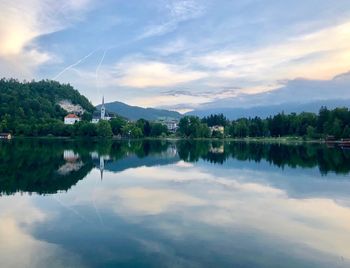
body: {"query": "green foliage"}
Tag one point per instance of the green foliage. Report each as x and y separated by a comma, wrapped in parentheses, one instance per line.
(241, 128)
(31, 108)
(327, 122)
(215, 120)
(131, 130)
(192, 127)
(117, 124)
(86, 129)
(104, 129)
(157, 129)
(346, 132)
(145, 127)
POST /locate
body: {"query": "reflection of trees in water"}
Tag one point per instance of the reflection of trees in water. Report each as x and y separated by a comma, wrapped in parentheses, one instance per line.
(33, 166)
(280, 155)
(49, 166)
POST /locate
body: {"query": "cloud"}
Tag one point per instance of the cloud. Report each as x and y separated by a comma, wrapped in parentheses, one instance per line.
(313, 56)
(143, 74)
(154, 201)
(186, 100)
(292, 91)
(176, 12)
(237, 75)
(173, 47)
(17, 217)
(229, 200)
(22, 22)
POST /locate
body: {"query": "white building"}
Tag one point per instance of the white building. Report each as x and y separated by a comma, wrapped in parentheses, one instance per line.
(71, 119)
(172, 125)
(219, 129)
(103, 115)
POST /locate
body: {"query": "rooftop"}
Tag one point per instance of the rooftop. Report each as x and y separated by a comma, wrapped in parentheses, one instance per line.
(71, 116)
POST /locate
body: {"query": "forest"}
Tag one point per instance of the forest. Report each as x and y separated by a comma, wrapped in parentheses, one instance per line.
(326, 123)
(32, 109)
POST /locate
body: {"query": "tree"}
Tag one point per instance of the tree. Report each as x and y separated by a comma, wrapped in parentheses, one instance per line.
(131, 130)
(117, 124)
(346, 132)
(241, 129)
(104, 129)
(215, 120)
(310, 132)
(157, 129)
(145, 127)
(336, 130)
(191, 127)
(31, 108)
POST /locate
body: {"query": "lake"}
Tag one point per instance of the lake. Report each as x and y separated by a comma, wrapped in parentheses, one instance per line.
(173, 204)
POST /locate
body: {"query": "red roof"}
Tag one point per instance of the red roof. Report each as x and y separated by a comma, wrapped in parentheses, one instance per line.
(71, 116)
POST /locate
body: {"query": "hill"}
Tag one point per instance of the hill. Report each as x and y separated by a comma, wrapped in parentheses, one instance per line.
(26, 107)
(266, 111)
(135, 112)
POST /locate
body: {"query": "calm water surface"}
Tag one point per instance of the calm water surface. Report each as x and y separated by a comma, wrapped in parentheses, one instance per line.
(173, 204)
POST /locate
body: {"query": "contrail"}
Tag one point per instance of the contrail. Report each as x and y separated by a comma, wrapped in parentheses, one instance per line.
(70, 208)
(98, 68)
(74, 64)
(94, 204)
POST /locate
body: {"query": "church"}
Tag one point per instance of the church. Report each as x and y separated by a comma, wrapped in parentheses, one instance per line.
(103, 115)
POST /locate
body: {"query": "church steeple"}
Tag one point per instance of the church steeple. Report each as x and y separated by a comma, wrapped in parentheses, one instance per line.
(103, 109)
(102, 166)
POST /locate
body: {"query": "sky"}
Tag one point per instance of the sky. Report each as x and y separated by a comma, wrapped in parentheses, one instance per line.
(181, 54)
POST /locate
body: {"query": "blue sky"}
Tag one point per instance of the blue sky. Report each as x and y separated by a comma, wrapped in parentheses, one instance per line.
(180, 54)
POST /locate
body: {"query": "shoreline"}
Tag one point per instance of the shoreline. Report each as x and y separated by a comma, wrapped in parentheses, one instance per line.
(289, 140)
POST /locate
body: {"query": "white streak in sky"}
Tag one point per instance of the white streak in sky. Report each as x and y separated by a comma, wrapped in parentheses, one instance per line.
(70, 208)
(74, 64)
(98, 68)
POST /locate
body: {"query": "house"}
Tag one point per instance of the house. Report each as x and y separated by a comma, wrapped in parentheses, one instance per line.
(71, 119)
(219, 129)
(172, 125)
(5, 136)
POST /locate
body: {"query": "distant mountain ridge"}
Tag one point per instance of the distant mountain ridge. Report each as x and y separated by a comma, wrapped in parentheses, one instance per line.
(266, 111)
(135, 112)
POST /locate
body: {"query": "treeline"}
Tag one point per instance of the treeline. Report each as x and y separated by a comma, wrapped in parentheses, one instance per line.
(307, 125)
(117, 126)
(31, 109)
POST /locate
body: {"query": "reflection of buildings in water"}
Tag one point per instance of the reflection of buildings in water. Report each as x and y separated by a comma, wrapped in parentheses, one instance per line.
(99, 161)
(70, 156)
(217, 150)
(72, 163)
(172, 150)
(102, 166)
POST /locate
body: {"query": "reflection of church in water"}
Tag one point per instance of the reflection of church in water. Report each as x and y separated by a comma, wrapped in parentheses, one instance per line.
(99, 161)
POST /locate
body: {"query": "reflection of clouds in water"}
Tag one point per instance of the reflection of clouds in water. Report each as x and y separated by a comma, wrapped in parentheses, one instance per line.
(154, 201)
(183, 164)
(17, 247)
(168, 253)
(230, 201)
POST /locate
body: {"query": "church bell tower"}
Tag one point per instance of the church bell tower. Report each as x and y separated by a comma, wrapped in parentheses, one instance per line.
(103, 109)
